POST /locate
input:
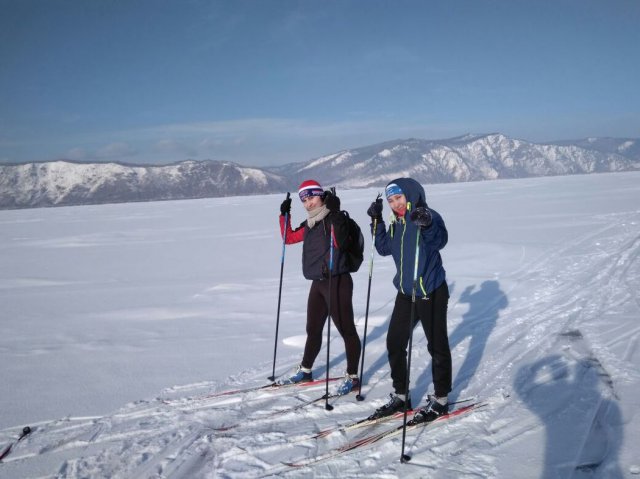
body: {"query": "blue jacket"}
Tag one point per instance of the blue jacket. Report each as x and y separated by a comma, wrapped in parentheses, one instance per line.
(400, 242)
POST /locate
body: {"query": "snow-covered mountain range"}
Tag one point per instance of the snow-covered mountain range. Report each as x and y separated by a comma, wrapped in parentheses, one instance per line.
(470, 158)
(59, 183)
(466, 158)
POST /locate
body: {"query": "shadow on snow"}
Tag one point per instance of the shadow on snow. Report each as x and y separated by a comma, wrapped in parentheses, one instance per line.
(477, 324)
(583, 428)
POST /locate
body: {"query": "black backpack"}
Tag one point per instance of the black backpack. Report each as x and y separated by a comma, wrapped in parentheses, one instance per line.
(354, 250)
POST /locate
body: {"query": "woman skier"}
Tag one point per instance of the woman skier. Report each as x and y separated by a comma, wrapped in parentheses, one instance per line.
(412, 218)
(323, 212)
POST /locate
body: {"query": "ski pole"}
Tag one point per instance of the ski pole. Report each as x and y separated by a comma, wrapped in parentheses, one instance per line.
(328, 406)
(25, 432)
(284, 242)
(403, 456)
(359, 397)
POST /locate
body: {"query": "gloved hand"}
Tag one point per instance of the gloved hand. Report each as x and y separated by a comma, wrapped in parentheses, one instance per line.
(375, 210)
(421, 216)
(285, 207)
(331, 201)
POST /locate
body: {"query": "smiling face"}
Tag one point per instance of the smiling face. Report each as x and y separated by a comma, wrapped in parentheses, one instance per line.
(312, 202)
(398, 203)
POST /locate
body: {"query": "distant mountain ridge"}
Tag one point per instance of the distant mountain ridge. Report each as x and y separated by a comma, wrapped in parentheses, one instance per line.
(60, 183)
(464, 158)
(469, 158)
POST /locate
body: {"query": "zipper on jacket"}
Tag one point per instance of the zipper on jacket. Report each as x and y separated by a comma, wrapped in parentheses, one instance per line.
(404, 230)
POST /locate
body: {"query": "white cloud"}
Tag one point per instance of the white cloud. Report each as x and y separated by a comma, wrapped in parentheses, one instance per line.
(260, 141)
(77, 154)
(115, 151)
(112, 151)
(175, 146)
(279, 128)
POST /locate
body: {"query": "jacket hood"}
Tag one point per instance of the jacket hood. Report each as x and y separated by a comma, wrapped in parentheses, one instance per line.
(413, 191)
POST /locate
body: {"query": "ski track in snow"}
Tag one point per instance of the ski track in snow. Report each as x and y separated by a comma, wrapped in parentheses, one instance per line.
(563, 388)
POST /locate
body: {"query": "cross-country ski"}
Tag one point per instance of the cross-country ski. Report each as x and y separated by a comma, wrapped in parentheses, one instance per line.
(368, 440)
(272, 387)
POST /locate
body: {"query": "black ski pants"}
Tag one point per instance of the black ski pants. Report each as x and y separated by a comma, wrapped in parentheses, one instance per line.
(432, 313)
(342, 315)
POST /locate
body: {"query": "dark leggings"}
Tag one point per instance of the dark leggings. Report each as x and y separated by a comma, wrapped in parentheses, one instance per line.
(432, 313)
(342, 315)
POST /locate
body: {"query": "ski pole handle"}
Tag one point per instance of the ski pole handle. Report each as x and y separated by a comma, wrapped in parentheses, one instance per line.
(373, 246)
(284, 236)
(373, 240)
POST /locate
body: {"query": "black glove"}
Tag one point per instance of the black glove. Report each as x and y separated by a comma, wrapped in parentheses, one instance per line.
(331, 201)
(375, 210)
(285, 207)
(421, 216)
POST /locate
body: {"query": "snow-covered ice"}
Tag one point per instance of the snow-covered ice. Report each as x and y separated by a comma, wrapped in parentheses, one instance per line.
(118, 322)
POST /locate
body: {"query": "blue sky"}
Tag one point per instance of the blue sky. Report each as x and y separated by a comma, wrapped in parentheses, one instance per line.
(266, 82)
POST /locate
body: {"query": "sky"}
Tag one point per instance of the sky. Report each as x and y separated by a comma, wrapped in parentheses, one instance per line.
(262, 82)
